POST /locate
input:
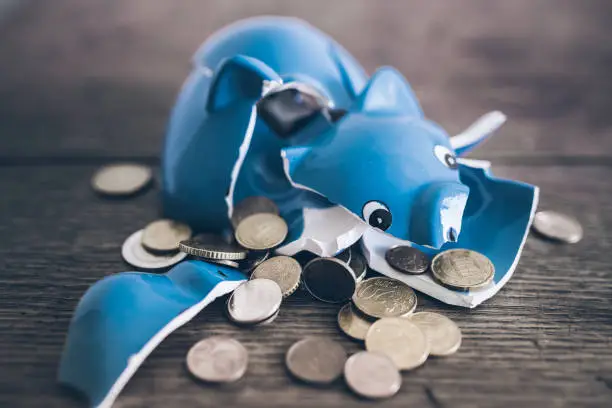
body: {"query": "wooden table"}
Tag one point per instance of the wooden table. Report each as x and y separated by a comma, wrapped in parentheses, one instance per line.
(88, 83)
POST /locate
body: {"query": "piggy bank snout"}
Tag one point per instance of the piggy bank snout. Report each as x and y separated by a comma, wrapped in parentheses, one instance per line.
(437, 213)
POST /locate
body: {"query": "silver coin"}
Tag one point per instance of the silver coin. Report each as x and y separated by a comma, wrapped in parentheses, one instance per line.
(407, 259)
(121, 179)
(462, 269)
(254, 301)
(217, 359)
(316, 360)
(134, 254)
(224, 262)
(250, 206)
(210, 246)
(557, 226)
(372, 375)
(329, 280)
(268, 320)
(283, 270)
(359, 265)
(261, 231)
(163, 236)
(384, 297)
(352, 324)
(442, 333)
(400, 339)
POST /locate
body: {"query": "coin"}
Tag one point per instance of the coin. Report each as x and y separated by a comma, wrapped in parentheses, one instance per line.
(442, 333)
(121, 179)
(211, 246)
(557, 226)
(407, 259)
(351, 323)
(384, 297)
(345, 256)
(372, 375)
(269, 319)
(250, 206)
(254, 301)
(134, 254)
(329, 280)
(217, 359)
(462, 269)
(400, 339)
(283, 270)
(359, 265)
(163, 236)
(261, 231)
(316, 360)
(225, 262)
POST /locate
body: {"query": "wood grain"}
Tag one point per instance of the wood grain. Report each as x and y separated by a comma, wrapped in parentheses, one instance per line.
(544, 341)
(98, 78)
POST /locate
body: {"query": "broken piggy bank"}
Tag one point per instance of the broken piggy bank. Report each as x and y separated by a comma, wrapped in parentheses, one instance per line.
(275, 108)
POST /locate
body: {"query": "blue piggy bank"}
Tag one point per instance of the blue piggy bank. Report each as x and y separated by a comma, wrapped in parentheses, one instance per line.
(274, 107)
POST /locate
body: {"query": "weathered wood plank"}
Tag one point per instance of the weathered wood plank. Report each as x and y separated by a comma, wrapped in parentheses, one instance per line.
(99, 77)
(544, 340)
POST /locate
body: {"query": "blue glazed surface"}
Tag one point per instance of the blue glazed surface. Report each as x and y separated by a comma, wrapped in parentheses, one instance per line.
(120, 314)
(202, 145)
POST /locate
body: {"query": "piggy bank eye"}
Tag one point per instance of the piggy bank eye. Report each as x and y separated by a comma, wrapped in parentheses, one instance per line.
(446, 156)
(377, 215)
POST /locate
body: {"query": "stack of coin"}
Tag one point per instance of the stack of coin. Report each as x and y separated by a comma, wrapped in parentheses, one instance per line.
(156, 246)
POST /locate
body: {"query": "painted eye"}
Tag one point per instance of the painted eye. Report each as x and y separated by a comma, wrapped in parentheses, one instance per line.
(446, 156)
(377, 215)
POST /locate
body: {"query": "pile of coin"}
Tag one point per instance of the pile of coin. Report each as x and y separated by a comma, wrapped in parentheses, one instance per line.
(379, 311)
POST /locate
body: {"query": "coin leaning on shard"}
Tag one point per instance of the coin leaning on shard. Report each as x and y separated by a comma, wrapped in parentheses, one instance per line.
(261, 231)
(462, 269)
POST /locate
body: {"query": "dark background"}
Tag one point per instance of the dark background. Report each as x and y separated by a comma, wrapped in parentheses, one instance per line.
(85, 83)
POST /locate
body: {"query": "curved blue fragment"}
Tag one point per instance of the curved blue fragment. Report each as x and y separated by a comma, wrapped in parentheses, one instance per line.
(122, 318)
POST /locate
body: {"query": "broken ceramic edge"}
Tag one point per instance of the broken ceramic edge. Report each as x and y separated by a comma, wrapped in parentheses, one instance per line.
(242, 153)
(326, 232)
(481, 129)
(375, 244)
(121, 319)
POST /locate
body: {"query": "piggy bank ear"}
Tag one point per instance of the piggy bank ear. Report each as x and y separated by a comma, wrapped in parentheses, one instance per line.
(238, 78)
(477, 132)
(388, 92)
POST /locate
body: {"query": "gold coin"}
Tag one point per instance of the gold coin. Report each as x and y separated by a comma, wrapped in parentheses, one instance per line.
(384, 297)
(352, 324)
(462, 269)
(443, 335)
(283, 270)
(261, 231)
(400, 339)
